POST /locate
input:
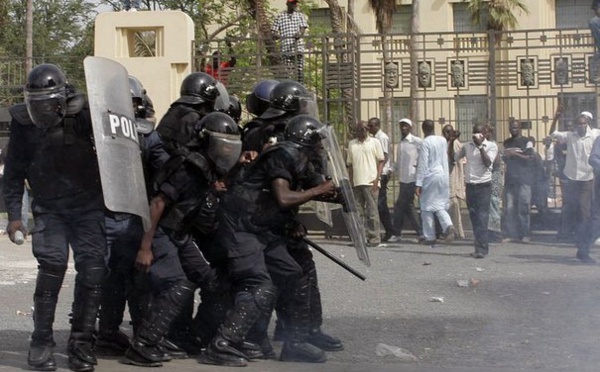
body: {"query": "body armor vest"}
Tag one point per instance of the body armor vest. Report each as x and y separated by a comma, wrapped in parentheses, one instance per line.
(199, 212)
(62, 161)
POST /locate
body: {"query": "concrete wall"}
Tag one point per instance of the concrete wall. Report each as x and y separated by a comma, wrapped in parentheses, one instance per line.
(172, 33)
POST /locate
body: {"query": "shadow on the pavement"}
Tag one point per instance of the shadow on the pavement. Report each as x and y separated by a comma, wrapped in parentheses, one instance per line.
(547, 258)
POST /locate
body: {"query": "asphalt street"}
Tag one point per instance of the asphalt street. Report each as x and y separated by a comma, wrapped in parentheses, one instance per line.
(524, 307)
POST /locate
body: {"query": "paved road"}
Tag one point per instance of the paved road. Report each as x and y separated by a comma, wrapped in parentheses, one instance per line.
(527, 307)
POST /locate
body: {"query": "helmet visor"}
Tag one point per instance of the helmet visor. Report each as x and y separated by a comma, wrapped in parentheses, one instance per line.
(308, 106)
(224, 150)
(46, 109)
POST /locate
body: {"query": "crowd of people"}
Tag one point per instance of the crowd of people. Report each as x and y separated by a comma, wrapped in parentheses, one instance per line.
(499, 184)
(223, 202)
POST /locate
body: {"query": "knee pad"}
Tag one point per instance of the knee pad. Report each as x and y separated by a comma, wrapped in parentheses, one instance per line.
(265, 296)
(54, 270)
(92, 275)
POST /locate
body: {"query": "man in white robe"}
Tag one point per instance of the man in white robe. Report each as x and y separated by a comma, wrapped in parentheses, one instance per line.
(433, 184)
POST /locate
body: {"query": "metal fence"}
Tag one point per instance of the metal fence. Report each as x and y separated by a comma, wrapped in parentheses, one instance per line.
(461, 78)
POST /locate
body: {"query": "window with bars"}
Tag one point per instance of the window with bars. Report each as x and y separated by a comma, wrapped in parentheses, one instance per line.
(401, 20)
(400, 110)
(575, 103)
(470, 110)
(573, 13)
(462, 19)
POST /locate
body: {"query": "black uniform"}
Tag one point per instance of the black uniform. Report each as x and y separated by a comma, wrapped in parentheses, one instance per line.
(258, 134)
(253, 230)
(185, 185)
(60, 164)
(123, 283)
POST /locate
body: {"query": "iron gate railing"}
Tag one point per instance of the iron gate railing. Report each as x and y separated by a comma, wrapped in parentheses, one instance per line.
(462, 78)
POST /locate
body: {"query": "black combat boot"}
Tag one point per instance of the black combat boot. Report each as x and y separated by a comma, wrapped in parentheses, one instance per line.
(259, 336)
(324, 341)
(111, 341)
(296, 347)
(144, 350)
(88, 294)
(249, 305)
(179, 336)
(40, 357)
(172, 350)
(140, 300)
(210, 315)
(315, 335)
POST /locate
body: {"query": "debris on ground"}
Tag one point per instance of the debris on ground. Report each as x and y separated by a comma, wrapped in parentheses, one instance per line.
(384, 350)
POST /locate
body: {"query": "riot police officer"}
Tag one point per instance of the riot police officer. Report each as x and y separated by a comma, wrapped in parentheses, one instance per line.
(52, 148)
(123, 235)
(235, 109)
(199, 93)
(186, 197)
(287, 100)
(256, 215)
(257, 102)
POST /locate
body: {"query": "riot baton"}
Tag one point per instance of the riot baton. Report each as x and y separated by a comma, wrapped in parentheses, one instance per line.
(335, 259)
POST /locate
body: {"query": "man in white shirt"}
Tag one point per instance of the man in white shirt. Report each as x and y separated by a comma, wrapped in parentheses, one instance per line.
(480, 154)
(580, 173)
(374, 125)
(407, 157)
(365, 163)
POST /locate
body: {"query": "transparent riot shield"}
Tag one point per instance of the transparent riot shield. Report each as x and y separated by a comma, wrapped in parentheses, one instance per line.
(116, 138)
(337, 170)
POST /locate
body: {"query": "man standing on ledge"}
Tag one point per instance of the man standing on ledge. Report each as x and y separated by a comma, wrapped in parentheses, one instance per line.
(289, 26)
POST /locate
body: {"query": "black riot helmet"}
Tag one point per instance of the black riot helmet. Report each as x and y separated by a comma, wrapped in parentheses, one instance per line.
(142, 105)
(258, 101)
(235, 109)
(285, 97)
(198, 87)
(46, 95)
(221, 139)
(304, 130)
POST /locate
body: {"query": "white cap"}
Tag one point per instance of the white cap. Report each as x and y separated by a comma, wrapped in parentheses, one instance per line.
(407, 121)
(588, 114)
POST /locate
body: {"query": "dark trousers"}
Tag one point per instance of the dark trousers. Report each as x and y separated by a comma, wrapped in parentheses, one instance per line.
(53, 233)
(382, 206)
(478, 203)
(580, 195)
(405, 207)
(517, 205)
(568, 211)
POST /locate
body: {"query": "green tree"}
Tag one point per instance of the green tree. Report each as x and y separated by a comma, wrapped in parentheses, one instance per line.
(61, 30)
(499, 15)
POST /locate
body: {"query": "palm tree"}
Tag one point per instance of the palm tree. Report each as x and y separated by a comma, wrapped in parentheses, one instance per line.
(384, 13)
(499, 14)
